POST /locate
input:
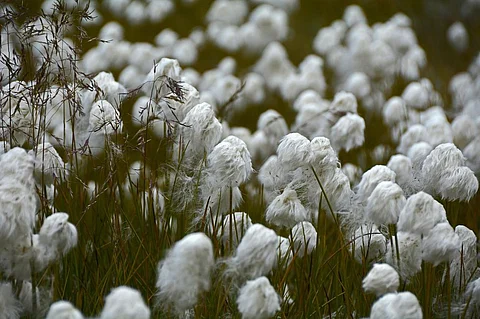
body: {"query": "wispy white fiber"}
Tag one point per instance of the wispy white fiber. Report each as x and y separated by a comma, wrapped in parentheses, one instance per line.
(257, 299)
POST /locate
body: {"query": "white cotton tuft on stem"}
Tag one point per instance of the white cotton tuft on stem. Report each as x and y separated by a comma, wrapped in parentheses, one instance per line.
(441, 244)
(403, 305)
(185, 272)
(368, 243)
(294, 150)
(464, 263)
(385, 203)
(237, 223)
(286, 210)
(410, 251)
(63, 310)
(304, 238)
(125, 303)
(229, 164)
(10, 307)
(256, 254)
(381, 279)
(370, 180)
(257, 299)
(348, 132)
(420, 214)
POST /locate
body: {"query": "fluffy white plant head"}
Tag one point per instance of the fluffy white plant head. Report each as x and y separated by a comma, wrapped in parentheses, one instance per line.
(418, 152)
(471, 151)
(231, 12)
(464, 130)
(285, 253)
(155, 82)
(229, 164)
(458, 183)
(48, 164)
(441, 244)
(403, 168)
(239, 222)
(416, 96)
(304, 238)
(353, 172)
(464, 263)
(274, 126)
(323, 156)
(444, 156)
(219, 203)
(56, 238)
(270, 174)
(294, 150)
(410, 249)
(385, 203)
(125, 303)
(104, 117)
(10, 307)
(370, 180)
(403, 305)
(368, 243)
(274, 65)
(200, 133)
(457, 36)
(63, 310)
(338, 191)
(348, 132)
(395, 111)
(344, 102)
(473, 294)
(359, 84)
(256, 254)
(185, 272)
(286, 210)
(381, 279)
(257, 299)
(415, 133)
(420, 214)
(17, 196)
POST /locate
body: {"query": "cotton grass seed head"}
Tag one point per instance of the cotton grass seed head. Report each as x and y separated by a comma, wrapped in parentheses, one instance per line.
(294, 150)
(58, 233)
(63, 310)
(258, 299)
(238, 222)
(402, 166)
(200, 133)
(344, 102)
(458, 183)
(403, 305)
(229, 164)
(185, 272)
(11, 308)
(348, 132)
(304, 238)
(464, 263)
(443, 157)
(381, 279)
(125, 303)
(368, 243)
(286, 210)
(385, 203)
(418, 152)
(256, 254)
(420, 214)
(441, 244)
(273, 124)
(370, 180)
(410, 249)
